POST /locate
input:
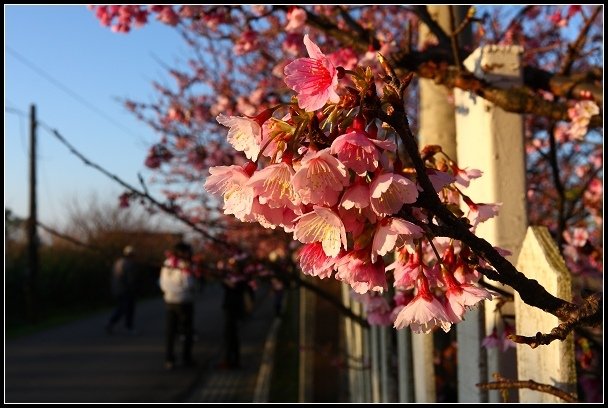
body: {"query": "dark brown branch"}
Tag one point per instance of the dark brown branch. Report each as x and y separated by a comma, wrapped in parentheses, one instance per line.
(516, 20)
(517, 99)
(530, 291)
(559, 186)
(493, 288)
(575, 48)
(358, 42)
(355, 26)
(504, 384)
(569, 86)
(587, 309)
(454, 39)
(468, 19)
(423, 14)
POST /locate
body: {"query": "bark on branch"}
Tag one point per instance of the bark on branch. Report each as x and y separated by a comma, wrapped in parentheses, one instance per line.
(504, 384)
(530, 291)
(517, 99)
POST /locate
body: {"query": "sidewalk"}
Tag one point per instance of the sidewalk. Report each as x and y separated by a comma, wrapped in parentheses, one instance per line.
(79, 362)
(238, 385)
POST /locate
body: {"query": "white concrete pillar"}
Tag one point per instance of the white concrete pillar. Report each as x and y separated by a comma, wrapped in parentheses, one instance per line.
(374, 335)
(553, 364)
(349, 344)
(424, 370)
(436, 113)
(384, 379)
(404, 365)
(492, 140)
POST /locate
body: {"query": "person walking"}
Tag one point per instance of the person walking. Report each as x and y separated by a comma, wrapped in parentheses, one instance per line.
(235, 290)
(178, 283)
(124, 282)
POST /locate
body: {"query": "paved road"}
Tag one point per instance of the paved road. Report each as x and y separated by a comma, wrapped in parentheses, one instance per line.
(79, 362)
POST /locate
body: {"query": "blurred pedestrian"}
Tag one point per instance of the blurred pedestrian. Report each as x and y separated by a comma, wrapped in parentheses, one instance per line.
(235, 289)
(178, 283)
(279, 289)
(124, 281)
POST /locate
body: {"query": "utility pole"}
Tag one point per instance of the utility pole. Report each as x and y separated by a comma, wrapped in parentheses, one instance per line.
(32, 236)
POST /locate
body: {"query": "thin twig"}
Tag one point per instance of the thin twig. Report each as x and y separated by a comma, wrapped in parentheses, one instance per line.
(589, 307)
(504, 384)
(530, 291)
(454, 39)
(579, 43)
(165, 208)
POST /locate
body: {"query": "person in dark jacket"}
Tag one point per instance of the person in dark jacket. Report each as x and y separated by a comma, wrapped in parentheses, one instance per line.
(124, 282)
(235, 289)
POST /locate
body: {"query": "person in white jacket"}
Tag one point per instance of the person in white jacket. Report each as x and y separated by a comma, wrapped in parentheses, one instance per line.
(178, 283)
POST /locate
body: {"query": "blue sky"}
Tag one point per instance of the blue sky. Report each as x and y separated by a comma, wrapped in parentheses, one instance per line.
(69, 44)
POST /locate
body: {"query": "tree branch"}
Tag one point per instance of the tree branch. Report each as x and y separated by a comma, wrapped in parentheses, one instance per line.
(530, 291)
(519, 100)
(575, 48)
(586, 311)
(503, 384)
(423, 14)
(163, 207)
(516, 99)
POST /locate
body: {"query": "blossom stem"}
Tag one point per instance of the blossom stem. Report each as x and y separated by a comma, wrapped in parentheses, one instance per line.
(435, 251)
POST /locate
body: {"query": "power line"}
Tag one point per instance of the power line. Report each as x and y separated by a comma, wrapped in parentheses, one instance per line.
(143, 194)
(163, 207)
(67, 90)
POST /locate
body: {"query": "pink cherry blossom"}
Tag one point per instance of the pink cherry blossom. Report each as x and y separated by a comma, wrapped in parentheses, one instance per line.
(355, 220)
(360, 153)
(344, 57)
(321, 225)
(389, 191)
(464, 297)
(224, 178)
(296, 18)
(315, 79)
(274, 133)
(314, 261)
(272, 217)
(407, 268)
(356, 196)
(393, 231)
(247, 42)
(168, 16)
(581, 115)
(439, 179)
(274, 187)
(231, 182)
(363, 275)
(244, 135)
(464, 176)
(578, 237)
(422, 314)
(479, 213)
(320, 178)
(377, 309)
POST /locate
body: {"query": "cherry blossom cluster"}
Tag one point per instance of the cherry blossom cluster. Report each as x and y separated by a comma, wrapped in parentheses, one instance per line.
(338, 185)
